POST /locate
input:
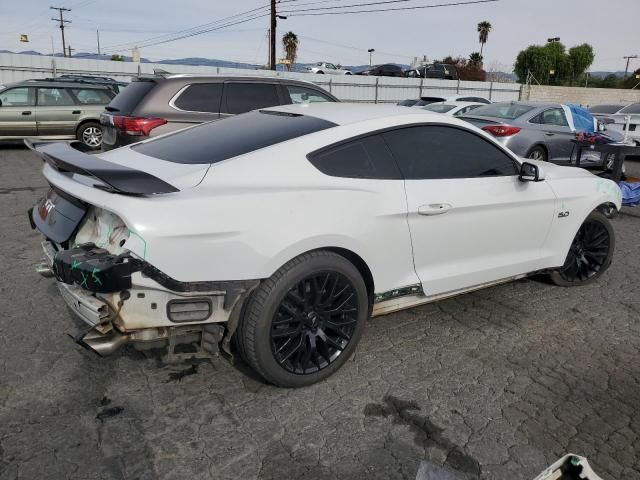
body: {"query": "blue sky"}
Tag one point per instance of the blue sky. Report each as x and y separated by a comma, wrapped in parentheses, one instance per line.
(609, 25)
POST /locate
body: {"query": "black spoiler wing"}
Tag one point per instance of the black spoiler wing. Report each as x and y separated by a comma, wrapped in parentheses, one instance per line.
(117, 178)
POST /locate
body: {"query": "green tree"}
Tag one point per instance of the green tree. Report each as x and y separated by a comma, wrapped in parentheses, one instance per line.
(290, 45)
(483, 33)
(117, 58)
(475, 59)
(552, 64)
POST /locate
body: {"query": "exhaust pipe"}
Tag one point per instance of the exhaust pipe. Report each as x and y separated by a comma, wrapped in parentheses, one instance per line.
(44, 270)
(104, 345)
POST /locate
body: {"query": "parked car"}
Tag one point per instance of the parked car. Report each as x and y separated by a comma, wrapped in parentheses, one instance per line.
(434, 70)
(50, 109)
(452, 108)
(427, 100)
(385, 70)
(328, 68)
(619, 122)
(540, 131)
(603, 112)
(112, 83)
(283, 229)
(152, 106)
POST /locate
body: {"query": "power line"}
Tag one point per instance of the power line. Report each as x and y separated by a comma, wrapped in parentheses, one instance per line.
(177, 33)
(293, 13)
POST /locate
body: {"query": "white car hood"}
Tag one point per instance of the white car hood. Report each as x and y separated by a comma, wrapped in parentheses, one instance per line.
(180, 175)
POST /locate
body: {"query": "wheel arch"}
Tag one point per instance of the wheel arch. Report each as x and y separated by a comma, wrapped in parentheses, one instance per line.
(84, 121)
(541, 145)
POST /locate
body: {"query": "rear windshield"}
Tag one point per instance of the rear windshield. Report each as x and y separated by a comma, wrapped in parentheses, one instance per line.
(633, 108)
(128, 99)
(439, 107)
(502, 110)
(223, 139)
(605, 108)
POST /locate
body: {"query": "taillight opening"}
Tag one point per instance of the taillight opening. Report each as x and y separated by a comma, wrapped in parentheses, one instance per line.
(501, 130)
(137, 126)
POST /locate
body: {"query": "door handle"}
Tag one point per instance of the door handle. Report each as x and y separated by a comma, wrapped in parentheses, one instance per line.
(549, 134)
(434, 209)
(76, 112)
(27, 112)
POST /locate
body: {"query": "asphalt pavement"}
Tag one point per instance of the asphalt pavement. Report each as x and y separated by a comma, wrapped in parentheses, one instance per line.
(496, 384)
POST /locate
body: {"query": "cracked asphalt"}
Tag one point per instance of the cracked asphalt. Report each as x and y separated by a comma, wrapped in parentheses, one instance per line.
(496, 384)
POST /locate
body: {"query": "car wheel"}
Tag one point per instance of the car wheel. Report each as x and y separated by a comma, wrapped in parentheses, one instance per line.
(348, 73)
(302, 324)
(538, 153)
(90, 134)
(320, 72)
(590, 253)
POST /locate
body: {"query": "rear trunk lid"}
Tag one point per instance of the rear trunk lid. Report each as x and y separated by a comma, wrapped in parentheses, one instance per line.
(483, 121)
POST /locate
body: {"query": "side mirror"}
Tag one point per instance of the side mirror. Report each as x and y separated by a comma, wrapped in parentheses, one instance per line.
(601, 127)
(530, 173)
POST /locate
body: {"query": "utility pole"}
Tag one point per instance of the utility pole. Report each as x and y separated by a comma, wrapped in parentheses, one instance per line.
(272, 37)
(628, 57)
(98, 37)
(62, 21)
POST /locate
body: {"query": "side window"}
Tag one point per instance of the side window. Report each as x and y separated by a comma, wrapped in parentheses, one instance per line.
(18, 97)
(200, 97)
(54, 97)
(93, 96)
(243, 97)
(429, 152)
(331, 66)
(554, 116)
(367, 157)
(305, 95)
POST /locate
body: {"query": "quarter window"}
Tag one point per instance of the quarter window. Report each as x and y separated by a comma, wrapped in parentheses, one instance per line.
(243, 97)
(305, 95)
(200, 97)
(18, 97)
(431, 152)
(553, 116)
(93, 96)
(54, 97)
(367, 157)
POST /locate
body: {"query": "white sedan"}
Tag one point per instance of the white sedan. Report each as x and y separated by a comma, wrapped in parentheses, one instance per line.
(328, 68)
(285, 229)
(452, 108)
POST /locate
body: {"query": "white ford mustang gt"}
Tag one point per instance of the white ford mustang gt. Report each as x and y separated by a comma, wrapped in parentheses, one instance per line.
(275, 234)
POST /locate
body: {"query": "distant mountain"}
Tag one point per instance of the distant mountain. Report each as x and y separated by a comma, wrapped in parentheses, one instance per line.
(619, 73)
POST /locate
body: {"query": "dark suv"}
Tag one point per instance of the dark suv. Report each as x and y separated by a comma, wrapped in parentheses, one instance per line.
(152, 106)
(434, 70)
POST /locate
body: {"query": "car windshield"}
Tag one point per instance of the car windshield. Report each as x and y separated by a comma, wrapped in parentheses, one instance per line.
(509, 111)
(633, 108)
(428, 100)
(605, 108)
(220, 140)
(439, 107)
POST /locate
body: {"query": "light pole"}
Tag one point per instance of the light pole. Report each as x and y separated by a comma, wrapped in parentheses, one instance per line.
(371, 50)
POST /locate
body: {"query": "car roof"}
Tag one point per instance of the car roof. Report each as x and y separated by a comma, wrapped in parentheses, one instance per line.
(55, 84)
(456, 103)
(346, 113)
(198, 76)
(530, 104)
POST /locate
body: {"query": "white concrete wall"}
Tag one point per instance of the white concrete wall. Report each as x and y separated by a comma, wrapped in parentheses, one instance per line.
(579, 95)
(353, 88)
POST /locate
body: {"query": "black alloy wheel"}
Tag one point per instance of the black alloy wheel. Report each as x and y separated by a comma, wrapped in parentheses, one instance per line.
(314, 322)
(590, 253)
(300, 325)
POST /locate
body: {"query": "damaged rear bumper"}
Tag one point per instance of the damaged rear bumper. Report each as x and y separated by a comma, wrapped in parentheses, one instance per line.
(125, 300)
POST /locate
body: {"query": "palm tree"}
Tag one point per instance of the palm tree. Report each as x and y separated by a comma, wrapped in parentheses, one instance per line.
(475, 59)
(290, 44)
(483, 33)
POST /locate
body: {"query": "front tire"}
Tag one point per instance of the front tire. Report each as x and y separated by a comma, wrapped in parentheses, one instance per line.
(590, 253)
(304, 322)
(90, 134)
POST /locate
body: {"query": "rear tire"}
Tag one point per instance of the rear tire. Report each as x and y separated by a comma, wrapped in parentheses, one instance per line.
(590, 253)
(304, 322)
(538, 153)
(90, 134)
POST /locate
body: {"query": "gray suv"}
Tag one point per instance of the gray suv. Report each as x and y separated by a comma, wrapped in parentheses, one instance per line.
(53, 110)
(151, 106)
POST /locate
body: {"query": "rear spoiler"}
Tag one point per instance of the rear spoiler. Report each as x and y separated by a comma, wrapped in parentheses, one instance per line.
(116, 178)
